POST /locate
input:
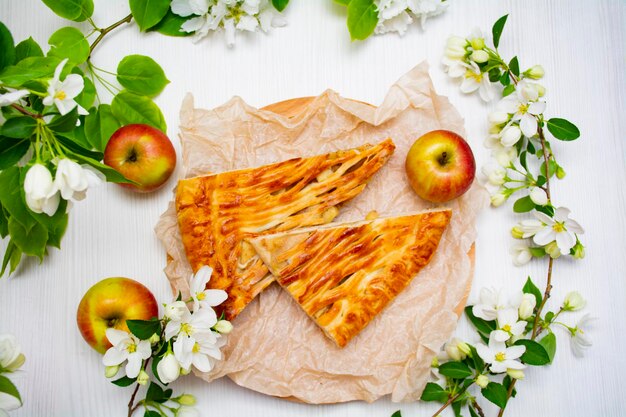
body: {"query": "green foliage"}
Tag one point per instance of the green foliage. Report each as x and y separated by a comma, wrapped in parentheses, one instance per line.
(497, 29)
(28, 69)
(549, 344)
(397, 414)
(76, 10)
(131, 108)
(531, 288)
(144, 329)
(100, 126)
(7, 387)
(170, 25)
(157, 394)
(484, 327)
(70, 43)
(141, 75)
(514, 66)
(457, 370)
(563, 129)
(27, 48)
(496, 393)
(18, 127)
(362, 18)
(147, 13)
(7, 47)
(280, 4)
(12, 150)
(434, 392)
(535, 353)
(124, 381)
(523, 205)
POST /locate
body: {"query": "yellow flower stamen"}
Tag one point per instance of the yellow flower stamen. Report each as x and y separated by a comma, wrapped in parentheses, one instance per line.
(558, 227)
(506, 328)
(523, 108)
(196, 348)
(186, 328)
(201, 296)
(60, 95)
(500, 356)
(476, 76)
(131, 348)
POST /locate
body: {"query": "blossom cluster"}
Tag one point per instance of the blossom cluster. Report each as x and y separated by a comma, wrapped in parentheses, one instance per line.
(397, 15)
(227, 15)
(11, 360)
(183, 339)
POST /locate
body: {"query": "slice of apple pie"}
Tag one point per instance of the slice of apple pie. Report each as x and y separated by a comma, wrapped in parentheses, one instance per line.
(216, 212)
(343, 275)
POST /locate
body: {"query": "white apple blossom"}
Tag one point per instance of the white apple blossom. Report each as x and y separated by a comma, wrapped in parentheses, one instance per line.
(491, 301)
(474, 79)
(515, 373)
(200, 351)
(561, 229)
(521, 253)
(200, 321)
(510, 135)
(494, 172)
(580, 340)
(457, 349)
(574, 301)
(398, 23)
(126, 347)
(223, 327)
(524, 107)
(143, 377)
(528, 228)
(536, 72)
(187, 412)
(8, 403)
(527, 305)
(504, 155)
(176, 310)
(553, 250)
(190, 7)
(498, 118)
(424, 9)
(11, 356)
(72, 180)
(12, 96)
(200, 295)
(508, 325)
(482, 381)
(538, 196)
(63, 93)
(168, 368)
(42, 194)
(498, 198)
(499, 356)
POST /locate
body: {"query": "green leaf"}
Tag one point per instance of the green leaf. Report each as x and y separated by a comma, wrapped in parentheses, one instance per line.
(4, 223)
(72, 144)
(124, 381)
(64, 123)
(505, 79)
(76, 10)
(434, 392)
(496, 393)
(362, 18)
(142, 75)
(12, 150)
(70, 43)
(457, 370)
(541, 180)
(549, 344)
(508, 90)
(537, 252)
(456, 408)
(19, 127)
(397, 414)
(88, 95)
(507, 381)
(33, 241)
(535, 354)
(531, 288)
(152, 413)
(148, 13)
(131, 108)
(552, 164)
(563, 129)
(12, 199)
(8, 387)
(523, 205)
(497, 29)
(12, 256)
(29, 69)
(280, 4)
(144, 329)
(479, 364)
(156, 393)
(7, 47)
(522, 160)
(483, 326)
(342, 2)
(110, 174)
(100, 126)
(473, 412)
(26, 49)
(514, 66)
(170, 25)
(55, 225)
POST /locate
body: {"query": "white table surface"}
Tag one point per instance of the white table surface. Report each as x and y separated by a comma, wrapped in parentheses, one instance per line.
(580, 43)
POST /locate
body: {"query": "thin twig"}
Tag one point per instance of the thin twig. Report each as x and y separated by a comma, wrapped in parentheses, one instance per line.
(106, 30)
(25, 112)
(450, 401)
(479, 410)
(131, 406)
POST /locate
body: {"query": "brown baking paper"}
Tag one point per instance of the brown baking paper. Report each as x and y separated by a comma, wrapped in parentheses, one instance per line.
(275, 348)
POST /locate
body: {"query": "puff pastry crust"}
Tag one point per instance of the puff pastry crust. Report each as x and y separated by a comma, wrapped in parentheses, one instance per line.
(216, 212)
(343, 275)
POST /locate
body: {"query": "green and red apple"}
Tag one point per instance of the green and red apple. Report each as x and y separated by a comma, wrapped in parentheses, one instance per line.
(142, 154)
(109, 303)
(440, 166)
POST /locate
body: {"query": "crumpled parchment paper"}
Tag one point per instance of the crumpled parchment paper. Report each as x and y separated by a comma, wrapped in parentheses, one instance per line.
(274, 347)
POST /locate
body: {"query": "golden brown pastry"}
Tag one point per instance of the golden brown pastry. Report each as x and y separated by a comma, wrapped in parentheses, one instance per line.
(343, 275)
(216, 212)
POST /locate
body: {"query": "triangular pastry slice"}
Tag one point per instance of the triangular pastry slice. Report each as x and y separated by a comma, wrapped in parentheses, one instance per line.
(343, 275)
(216, 212)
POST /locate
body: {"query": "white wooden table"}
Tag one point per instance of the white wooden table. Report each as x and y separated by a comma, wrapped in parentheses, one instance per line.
(580, 43)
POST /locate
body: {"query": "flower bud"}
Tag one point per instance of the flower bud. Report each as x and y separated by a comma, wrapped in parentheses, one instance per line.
(223, 327)
(515, 373)
(435, 362)
(510, 135)
(560, 172)
(538, 196)
(495, 173)
(574, 301)
(527, 306)
(176, 310)
(184, 371)
(536, 72)
(455, 47)
(40, 191)
(553, 250)
(482, 381)
(17, 363)
(498, 198)
(452, 349)
(168, 368)
(154, 339)
(541, 90)
(186, 399)
(111, 371)
(143, 377)
(187, 412)
(479, 56)
(578, 251)
(464, 348)
(505, 156)
(517, 232)
(477, 43)
(521, 254)
(10, 356)
(498, 117)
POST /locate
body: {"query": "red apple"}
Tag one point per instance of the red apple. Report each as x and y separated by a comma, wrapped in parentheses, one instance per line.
(110, 303)
(440, 166)
(142, 154)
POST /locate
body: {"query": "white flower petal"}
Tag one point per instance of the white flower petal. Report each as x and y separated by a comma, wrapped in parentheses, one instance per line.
(537, 107)
(544, 236)
(528, 125)
(515, 352)
(565, 241)
(114, 356)
(115, 336)
(134, 365)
